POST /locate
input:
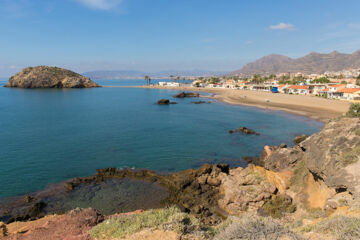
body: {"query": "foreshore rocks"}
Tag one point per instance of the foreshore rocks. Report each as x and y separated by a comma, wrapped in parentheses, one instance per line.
(187, 95)
(244, 130)
(49, 77)
(194, 191)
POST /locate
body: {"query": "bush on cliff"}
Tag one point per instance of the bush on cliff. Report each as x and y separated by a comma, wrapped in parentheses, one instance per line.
(164, 219)
(278, 206)
(354, 110)
(254, 227)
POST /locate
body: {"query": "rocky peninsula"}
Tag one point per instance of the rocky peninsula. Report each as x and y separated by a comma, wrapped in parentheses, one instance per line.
(49, 77)
(309, 191)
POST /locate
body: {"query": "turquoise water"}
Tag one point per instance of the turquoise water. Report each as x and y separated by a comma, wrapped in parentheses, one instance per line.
(48, 136)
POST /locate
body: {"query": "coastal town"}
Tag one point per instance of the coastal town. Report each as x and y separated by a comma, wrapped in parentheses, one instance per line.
(342, 85)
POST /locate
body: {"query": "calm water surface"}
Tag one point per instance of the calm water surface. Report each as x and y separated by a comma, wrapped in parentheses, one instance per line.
(48, 136)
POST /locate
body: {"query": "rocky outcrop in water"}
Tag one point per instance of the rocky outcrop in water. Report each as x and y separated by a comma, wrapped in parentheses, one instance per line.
(165, 102)
(186, 95)
(244, 130)
(49, 77)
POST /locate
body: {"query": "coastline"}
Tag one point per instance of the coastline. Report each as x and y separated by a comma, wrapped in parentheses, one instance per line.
(316, 108)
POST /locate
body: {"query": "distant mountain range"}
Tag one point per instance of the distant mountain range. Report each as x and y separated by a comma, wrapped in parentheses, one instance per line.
(311, 63)
(103, 74)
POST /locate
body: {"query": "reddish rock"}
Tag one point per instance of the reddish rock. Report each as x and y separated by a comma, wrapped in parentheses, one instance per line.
(71, 226)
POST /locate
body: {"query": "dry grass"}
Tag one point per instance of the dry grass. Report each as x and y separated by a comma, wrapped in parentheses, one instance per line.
(250, 227)
(340, 227)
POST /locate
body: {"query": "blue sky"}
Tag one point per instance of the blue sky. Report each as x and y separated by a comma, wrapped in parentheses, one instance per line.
(153, 35)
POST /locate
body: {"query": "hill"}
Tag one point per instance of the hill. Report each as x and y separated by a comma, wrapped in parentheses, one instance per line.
(311, 63)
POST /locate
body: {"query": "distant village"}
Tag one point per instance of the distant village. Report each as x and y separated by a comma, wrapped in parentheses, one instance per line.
(343, 85)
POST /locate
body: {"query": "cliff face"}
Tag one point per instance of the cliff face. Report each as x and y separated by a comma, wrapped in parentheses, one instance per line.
(49, 77)
(332, 155)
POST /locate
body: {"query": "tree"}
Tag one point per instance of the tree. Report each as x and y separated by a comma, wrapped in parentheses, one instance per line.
(343, 82)
(171, 77)
(147, 79)
(358, 80)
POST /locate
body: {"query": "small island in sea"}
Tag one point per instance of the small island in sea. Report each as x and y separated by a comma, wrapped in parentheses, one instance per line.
(49, 77)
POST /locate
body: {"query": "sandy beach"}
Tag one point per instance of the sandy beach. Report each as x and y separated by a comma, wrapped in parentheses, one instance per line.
(310, 106)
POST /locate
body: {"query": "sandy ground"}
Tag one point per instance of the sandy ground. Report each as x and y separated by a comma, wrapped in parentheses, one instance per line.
(310, 106)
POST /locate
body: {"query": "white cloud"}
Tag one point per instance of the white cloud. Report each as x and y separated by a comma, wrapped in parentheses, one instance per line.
(282, 26)
(101, 4)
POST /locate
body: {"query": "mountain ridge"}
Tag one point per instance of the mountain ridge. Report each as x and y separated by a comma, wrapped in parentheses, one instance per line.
(313, 62)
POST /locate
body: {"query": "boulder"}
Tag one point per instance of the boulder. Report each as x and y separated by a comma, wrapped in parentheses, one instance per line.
(49, 77)
(3, 230)
(299, 139)
(186, 95)
(245, 190)
(277, 158)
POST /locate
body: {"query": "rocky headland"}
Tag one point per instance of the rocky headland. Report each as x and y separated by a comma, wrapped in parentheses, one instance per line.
(49, 77)
(309, 191)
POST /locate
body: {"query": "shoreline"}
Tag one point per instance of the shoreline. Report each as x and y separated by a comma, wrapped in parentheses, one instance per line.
(312, 107)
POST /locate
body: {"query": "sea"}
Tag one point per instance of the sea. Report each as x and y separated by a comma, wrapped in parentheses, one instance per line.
(52, 135)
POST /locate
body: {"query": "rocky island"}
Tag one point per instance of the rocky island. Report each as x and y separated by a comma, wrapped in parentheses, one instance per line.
(49, 77)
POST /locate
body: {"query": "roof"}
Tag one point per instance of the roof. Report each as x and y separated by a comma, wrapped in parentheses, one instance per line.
(281, 85)
(349, 90)
(325, 90)
(299, 87)
(339, 85)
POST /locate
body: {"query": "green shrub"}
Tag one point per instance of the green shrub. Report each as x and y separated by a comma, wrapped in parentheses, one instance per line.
(254, 227)
(340, 227)
(354, 110)
(349, 156)
(277, 206)
(166, 219)
(357, 131)
(300, 172)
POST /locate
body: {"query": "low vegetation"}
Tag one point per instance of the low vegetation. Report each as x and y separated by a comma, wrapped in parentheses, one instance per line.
(348, 156)
(354, 110)
(357, 132)
(164, 219)
(339, 227)
(300, 172)
(278, 206)
(254, 227)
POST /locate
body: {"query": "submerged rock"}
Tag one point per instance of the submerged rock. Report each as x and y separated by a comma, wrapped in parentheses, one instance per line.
(200, 102)
(49, 77)
(186, 95)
